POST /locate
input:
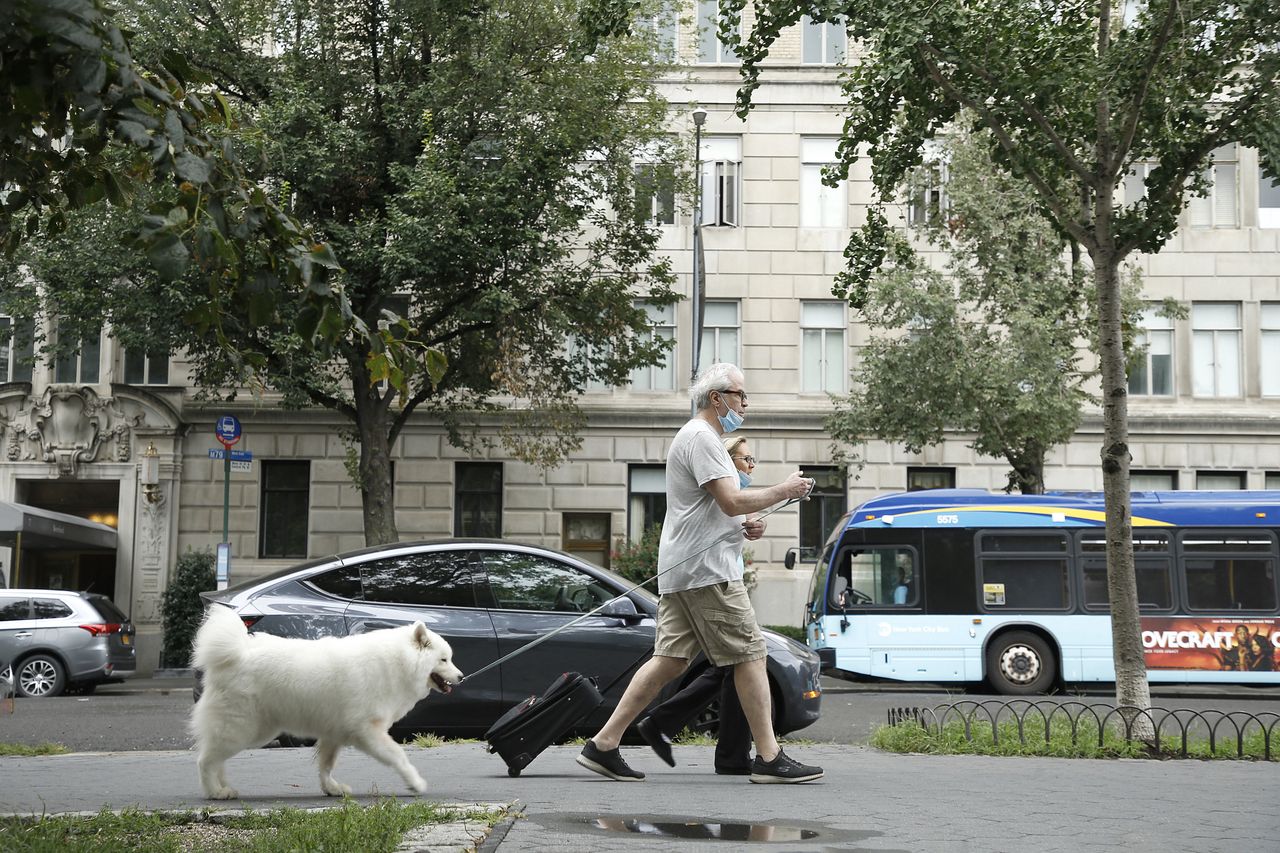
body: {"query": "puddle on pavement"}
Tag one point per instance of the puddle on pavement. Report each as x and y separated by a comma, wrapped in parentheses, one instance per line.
(693, 830)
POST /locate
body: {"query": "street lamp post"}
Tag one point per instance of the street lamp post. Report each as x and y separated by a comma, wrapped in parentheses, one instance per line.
(699, 119)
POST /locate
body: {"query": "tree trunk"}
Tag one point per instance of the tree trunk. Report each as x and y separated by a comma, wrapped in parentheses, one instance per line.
(377, 492)
(1126, 631)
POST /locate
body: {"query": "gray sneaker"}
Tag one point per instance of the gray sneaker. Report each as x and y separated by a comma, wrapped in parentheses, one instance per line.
(607, 763)
(782, 771)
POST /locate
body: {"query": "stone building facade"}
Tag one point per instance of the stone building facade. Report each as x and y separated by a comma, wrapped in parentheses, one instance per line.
(1207, 414)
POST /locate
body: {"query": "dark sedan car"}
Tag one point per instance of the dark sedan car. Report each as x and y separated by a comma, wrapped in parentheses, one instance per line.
(488, 598)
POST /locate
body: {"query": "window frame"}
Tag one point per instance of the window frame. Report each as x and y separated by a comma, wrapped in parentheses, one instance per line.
(1204, 212)
(1066, 555)
(1184, 586)
(1144, 371)
(17, 349)
(663, 324)
(818, 502)
(1142, 558)
(832, 54)
(459, 492)
(647, 499)
(1269, 349)
(711, 334)
(73, 363)
(264, 507)
(815, 196)
(1217, 337)
(842, 330)
(149, 358)
(950, 471)
(721, 176)
(707, 34)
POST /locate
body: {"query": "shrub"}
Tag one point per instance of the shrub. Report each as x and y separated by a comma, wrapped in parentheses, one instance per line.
(638, 561)
(795, 632)
(181, 608)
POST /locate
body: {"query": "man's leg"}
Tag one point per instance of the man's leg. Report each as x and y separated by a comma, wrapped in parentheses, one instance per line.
(644, 687)
(752, 683)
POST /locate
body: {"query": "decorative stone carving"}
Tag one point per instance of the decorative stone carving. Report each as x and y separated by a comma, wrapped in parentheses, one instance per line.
(70, 425)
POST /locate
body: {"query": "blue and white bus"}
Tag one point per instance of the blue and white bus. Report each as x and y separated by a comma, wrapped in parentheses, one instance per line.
(956, 585)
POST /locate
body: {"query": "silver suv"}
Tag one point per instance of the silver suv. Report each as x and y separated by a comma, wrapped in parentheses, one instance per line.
(54, 641)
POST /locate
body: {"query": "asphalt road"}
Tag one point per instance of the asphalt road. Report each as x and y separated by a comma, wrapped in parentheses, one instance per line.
(151, 714)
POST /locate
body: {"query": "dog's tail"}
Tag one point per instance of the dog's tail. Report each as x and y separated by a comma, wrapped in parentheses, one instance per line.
(220, 641)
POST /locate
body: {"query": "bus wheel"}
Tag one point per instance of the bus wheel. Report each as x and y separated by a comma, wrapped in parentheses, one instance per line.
(1020, 663)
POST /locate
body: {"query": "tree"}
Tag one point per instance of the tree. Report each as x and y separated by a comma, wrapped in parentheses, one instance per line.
(81, 121)
(1074, 94)
(990, 346)
(468, 163)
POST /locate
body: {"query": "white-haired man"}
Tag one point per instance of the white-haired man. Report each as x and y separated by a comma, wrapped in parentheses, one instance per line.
(703, 601)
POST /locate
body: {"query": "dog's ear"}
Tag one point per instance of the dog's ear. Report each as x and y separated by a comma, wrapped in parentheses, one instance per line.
(421, 635)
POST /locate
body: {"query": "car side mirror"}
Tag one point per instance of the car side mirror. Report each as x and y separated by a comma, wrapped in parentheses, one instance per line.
(621, 608)
(789, 559)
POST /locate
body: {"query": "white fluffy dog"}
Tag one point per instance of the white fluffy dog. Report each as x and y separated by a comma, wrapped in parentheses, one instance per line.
(343, 691)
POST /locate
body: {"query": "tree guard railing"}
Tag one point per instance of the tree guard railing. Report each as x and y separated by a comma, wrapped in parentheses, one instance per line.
(1033, 718)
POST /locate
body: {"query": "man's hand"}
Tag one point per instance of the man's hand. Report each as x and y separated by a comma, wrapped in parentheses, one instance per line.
(753, 528)
(796, 486)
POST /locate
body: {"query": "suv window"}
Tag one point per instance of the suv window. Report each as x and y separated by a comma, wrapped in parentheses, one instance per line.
(13, 609)
(108, 611)
(49, 608)
(431, 578)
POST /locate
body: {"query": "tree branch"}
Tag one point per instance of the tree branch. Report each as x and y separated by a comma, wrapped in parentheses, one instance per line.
(1140, 94)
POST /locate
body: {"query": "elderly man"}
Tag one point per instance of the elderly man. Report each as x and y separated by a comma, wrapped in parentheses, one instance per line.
(704, 603)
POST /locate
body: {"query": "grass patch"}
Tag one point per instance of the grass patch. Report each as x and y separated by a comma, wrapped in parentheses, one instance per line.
(22, 749)
(350, 827)
(912, 737)
(431, 741)
(689, 737)
(795, 632)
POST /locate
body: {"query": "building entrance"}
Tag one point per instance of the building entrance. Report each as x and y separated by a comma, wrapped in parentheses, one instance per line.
(69, 561)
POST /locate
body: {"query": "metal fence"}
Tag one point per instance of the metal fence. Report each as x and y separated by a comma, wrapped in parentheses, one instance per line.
(1035, 718)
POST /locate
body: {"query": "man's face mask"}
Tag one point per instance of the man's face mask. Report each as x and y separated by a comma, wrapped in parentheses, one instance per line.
(730, 420)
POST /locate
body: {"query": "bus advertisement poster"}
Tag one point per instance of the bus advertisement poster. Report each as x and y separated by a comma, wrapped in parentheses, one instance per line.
(1245, 644)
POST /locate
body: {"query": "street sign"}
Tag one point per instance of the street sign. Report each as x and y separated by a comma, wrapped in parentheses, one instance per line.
(223, 565)
(227, 429)
(241, 465)
(236, 455)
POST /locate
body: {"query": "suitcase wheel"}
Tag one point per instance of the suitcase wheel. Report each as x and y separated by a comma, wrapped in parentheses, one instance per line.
(513, 771)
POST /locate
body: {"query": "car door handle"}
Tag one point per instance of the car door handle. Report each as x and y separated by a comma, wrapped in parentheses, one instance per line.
(22, 635)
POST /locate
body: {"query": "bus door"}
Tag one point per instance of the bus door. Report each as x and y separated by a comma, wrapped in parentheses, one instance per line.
(873, 594)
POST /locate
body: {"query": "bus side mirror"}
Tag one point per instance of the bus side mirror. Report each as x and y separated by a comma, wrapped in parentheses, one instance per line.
(789, 559)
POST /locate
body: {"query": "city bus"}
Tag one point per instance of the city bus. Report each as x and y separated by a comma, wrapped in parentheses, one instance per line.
(958, 585)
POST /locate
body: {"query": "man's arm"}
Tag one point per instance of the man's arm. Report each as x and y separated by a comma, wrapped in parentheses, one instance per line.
(735, 501)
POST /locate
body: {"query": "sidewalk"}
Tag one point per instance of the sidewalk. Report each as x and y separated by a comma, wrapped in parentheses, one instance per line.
(868, 800)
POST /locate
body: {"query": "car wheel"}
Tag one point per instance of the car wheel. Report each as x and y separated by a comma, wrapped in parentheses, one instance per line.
(1020, 663)
(40, 676)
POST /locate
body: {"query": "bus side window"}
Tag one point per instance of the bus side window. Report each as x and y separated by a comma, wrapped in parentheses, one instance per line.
(879, 577)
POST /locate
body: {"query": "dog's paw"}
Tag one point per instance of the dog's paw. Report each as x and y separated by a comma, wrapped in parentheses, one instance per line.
(418, 785)
(333, 788)
(223, 793)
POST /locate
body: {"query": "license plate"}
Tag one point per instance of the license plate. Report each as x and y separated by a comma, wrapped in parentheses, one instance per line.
(126, 639)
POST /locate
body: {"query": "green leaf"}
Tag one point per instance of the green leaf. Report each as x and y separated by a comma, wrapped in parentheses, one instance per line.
(169, 257)
(437, 365)
(191, 168)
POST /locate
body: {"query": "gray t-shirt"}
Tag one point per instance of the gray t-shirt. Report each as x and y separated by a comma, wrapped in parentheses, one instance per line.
(694, 520)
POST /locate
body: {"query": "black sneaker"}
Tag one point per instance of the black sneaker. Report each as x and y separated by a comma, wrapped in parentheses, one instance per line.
(607, 763)
(782, 770)
(655, 738)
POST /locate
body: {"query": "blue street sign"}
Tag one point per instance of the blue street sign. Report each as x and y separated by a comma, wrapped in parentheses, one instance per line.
(227, 429)
(236, 455)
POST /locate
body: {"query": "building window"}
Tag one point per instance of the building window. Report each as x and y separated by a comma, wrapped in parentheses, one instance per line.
(1218, 209)
(286, 499)
(477, 499)
(819, 514)
(720, 328)
(821, 206)
(710, 49)
(928, 202)
(1215, 347)
(721, 179)
(658, 377)
(822, 44)
(146, 368)
(919, 479)
(1153, 481)
(664, 26)
(822, 327)
(646, 499)
(1135, 182)
(17, 349)
(655, 200)
(1269, 349)
(1151, 375)
(1222, 481)
(586, 535)
(80, 365)
(1268, 199)
(1272, 480)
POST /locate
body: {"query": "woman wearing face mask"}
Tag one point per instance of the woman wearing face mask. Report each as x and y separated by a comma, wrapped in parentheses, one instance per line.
(733, 746)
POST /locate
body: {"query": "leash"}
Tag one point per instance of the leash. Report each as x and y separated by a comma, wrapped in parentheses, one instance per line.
(509, 655)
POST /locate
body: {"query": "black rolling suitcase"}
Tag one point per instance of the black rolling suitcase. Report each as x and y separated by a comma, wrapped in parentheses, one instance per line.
(522, 733)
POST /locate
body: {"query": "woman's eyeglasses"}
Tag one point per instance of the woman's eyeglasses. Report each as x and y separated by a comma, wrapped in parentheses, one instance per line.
(750, 460)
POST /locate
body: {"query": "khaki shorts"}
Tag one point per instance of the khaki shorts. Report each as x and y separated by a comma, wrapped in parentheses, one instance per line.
(718, 618)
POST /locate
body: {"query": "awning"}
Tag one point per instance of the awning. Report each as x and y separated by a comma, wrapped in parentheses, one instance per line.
(44, 530)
